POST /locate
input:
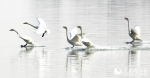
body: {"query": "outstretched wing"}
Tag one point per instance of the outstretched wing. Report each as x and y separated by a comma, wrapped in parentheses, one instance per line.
(136, 30)
(42, 23)
(84, 39)
(42, 26)
(76, 38)
(73, 33)
(87, 42)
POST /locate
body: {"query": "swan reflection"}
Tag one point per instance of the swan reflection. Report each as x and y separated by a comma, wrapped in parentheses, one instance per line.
(26, 50)
(133, 61)
(77, 63)
(32, 60)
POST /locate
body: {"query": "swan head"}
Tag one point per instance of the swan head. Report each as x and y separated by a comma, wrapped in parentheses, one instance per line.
(79, 26)
(11, 30)
(126, 18)
(64, 27)
(25, 23)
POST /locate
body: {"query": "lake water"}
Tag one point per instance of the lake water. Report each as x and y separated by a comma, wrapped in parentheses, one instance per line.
(102, 21)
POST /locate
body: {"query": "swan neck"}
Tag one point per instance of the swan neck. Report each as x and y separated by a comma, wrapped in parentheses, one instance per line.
(67, 34)
(81, 32)
(32, 25)
(17, 33)
(128, 27)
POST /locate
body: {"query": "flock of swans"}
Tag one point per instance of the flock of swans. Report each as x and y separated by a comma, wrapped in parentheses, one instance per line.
(41, 29)
(74, 38)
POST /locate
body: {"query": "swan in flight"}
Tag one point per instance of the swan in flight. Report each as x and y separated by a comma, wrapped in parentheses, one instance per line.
(134, 33)
(74, 37)
(84, 40)
(25, 38)
(41, 28)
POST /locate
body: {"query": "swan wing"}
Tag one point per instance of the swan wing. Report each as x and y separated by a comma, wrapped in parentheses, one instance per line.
(42, 23)
(84, 39)
(133, 32)
(40, 30)
(87, 42)
(73, 33)
(76, 38)
(137, 30)
(27, 39)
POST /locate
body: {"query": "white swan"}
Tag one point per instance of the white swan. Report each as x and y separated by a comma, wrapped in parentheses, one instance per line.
(85, 41)
(74, 38)
(134, 33)
(25, 38)
(41, 28)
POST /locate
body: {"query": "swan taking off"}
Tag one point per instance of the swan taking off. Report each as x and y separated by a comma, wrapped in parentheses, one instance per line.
(134, 33)
(41, 28)
(25, 38)
(74, 37)
(85, 41)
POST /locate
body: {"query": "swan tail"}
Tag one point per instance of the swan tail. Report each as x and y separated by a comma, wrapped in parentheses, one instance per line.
(139, 39)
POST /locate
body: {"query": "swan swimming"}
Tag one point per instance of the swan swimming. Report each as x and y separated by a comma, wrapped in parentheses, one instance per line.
(84, 40)
(134, 33)
(74, 38)
(41, 28)
(28, 40)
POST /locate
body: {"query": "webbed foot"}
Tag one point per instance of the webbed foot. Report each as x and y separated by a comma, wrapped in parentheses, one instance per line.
(23, 45)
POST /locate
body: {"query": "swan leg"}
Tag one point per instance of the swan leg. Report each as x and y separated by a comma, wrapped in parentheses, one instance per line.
(24, 45)
(132, 41)
(44, 33)
(128, 42)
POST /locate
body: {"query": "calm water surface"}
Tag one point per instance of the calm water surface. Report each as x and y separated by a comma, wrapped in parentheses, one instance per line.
(103, 22)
